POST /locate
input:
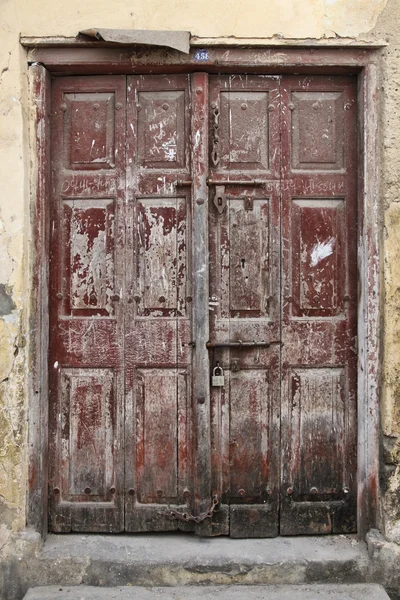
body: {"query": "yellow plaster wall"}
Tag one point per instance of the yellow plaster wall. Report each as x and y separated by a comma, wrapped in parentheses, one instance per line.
(239, 18)
(277, 20)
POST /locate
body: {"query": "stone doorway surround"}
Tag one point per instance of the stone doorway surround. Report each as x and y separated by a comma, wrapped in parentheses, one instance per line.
(49, 58)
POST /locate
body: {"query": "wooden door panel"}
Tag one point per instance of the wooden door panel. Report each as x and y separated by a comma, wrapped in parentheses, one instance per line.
(88, 257)
(244, 300)
(249, 427)
(318, 245)
(155, 343)
(244, 134)
(161, 129)
(88, 433)
(319, 329)
(86, 285)
(158, 133)
(318, 416)
(89, 130)
(244, 126)
(161, 257)
(162, 435)
(158, 355)
(244, 258)
(317, 135)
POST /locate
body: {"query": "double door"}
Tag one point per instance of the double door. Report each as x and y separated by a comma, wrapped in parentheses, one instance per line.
(201, 221)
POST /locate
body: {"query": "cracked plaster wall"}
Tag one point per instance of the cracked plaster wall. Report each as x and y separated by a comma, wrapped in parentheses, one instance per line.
(390, 119)
(278, 19)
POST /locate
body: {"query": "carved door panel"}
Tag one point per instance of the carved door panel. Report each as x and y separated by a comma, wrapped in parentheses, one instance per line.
(194, 220)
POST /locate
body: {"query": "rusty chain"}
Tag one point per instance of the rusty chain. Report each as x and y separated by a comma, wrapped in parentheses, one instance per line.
(187, 517)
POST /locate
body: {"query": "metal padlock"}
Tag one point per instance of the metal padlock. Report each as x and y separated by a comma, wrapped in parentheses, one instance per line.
(218, 379)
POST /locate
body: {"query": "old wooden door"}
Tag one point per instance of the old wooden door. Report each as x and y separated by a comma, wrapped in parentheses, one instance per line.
(194, 220)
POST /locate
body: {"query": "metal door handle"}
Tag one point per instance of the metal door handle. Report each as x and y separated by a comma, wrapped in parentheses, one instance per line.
(240, 344)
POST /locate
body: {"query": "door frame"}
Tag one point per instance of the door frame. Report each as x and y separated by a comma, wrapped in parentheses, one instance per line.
(47, 59)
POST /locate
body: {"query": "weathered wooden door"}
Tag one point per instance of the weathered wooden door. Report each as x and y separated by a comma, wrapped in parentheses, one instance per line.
(194, 220)
(319, 305)
(283, 320)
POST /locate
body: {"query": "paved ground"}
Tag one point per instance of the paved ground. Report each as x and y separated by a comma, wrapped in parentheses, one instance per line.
(287, 592)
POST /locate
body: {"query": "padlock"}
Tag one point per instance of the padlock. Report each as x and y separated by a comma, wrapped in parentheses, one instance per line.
(218, 379)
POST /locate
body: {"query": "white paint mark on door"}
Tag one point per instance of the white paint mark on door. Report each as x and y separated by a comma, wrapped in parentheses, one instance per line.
(322, 250)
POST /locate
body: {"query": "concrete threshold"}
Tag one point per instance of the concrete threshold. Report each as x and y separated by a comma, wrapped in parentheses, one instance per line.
(182, 559)
(354, 591)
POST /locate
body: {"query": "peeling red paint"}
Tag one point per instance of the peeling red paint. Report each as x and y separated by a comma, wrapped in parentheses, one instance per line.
(131, 308)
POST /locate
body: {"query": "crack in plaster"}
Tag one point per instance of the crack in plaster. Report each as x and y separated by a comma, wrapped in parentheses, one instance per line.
(7, 67)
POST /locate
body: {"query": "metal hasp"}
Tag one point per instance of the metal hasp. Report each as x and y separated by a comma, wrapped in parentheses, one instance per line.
(240, 344)
(249, 182)
(215, 155)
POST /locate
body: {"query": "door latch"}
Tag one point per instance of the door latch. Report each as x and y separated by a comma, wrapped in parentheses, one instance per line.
(220, 198)
(248, 203)
(235, 365)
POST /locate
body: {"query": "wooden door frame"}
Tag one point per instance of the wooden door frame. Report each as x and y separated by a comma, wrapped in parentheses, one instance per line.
(47, 59)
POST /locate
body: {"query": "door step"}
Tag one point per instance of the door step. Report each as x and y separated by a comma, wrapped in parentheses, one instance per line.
(175, 560)
(238, 592)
